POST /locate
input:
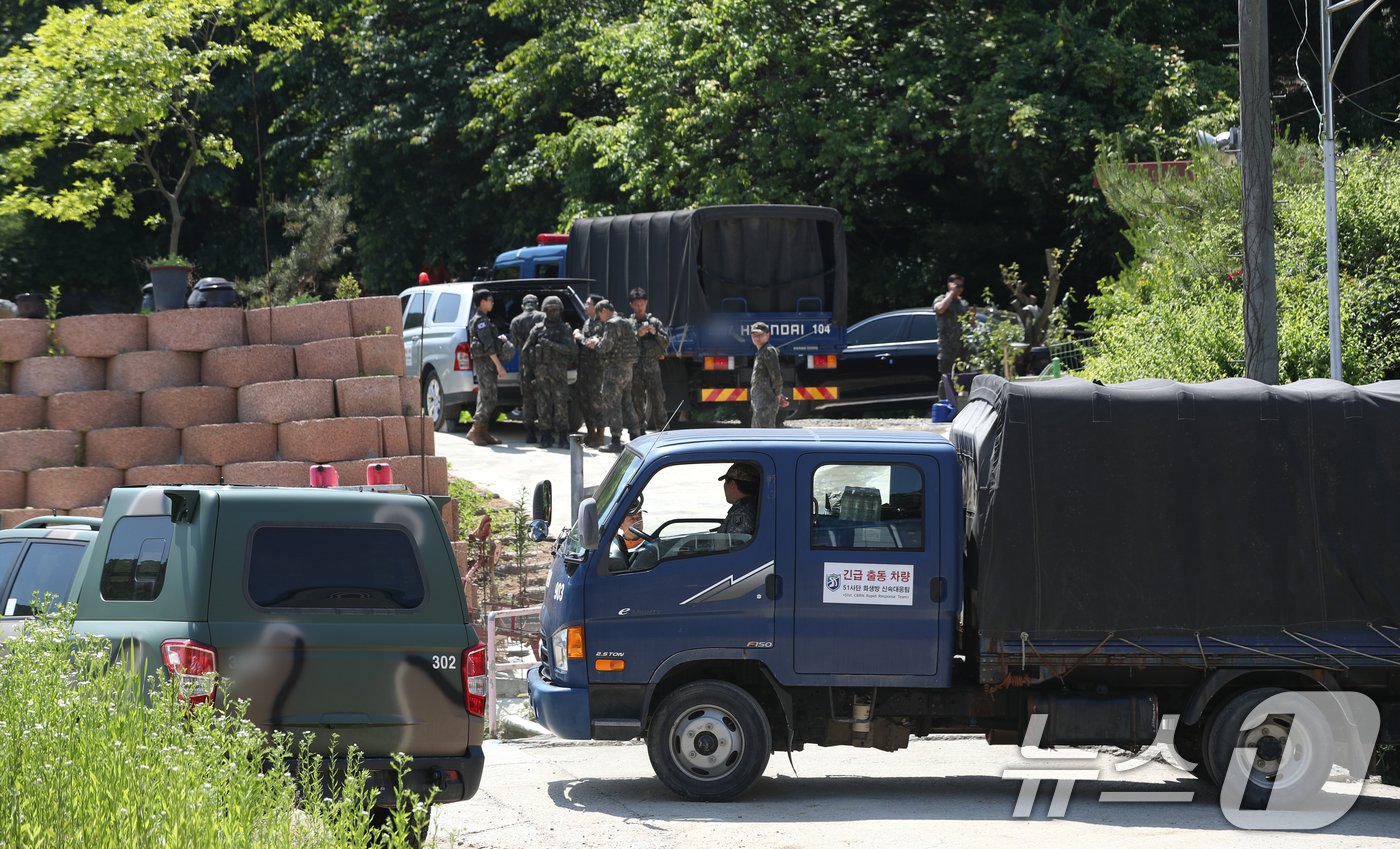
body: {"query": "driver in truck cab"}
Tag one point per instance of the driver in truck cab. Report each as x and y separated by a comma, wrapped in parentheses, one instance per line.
(741, 491)
(632, 545)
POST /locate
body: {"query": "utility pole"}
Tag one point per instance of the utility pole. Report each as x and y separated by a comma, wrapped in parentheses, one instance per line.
(1257, 195)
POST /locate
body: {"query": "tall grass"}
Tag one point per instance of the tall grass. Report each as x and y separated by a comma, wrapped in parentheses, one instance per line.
(94, 757)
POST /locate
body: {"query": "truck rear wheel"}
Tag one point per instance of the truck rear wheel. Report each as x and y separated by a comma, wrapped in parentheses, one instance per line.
(1286, 757)
(709, 741)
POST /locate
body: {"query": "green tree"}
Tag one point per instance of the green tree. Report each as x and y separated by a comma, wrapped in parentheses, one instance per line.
(102, 99)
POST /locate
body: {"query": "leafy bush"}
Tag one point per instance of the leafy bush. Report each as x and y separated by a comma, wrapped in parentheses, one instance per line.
(107, 760)
(1177, 310)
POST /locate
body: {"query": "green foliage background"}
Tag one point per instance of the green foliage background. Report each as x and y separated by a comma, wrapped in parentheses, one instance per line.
(954, 136)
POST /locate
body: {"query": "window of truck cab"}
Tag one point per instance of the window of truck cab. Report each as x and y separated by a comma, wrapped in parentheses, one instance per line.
(867, 507)
(623, 470)
(685, 511)
(334, 568)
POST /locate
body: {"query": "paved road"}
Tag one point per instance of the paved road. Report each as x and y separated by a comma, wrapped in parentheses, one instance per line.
(939, 793)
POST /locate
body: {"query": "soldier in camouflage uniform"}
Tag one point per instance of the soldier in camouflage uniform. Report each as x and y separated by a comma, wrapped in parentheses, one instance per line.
(590, 373)
(486, 360)
(766, 383)
(648, 396)
(552, 340)
(519, 331)
(617, 345)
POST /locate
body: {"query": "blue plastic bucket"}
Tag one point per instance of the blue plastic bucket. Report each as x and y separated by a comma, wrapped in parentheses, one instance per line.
(943, 411)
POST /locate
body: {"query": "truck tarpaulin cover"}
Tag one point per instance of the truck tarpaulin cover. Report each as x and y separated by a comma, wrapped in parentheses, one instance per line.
(691, 260)
(1157, 507)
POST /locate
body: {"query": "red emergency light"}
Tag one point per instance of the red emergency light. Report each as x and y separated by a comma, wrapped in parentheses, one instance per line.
(552, 239)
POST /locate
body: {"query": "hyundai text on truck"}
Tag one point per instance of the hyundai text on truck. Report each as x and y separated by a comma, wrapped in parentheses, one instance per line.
(1078, 564)
(710, 273)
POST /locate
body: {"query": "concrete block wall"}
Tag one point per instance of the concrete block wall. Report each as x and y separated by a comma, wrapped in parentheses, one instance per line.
(205, 396)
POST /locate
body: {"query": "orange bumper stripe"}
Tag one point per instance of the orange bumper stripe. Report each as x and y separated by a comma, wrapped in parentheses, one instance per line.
(816, 393)
(708, 395)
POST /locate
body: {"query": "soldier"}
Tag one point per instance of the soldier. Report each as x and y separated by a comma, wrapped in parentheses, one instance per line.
(552, 340)
(766, 383)
(519, 331)
(649, 399)
(590, 373)
(617, 346)
(486, 359)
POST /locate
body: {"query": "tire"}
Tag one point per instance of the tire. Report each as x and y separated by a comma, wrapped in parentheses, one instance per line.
(416, 837)
(693, 730)
(1189, 744)
(444, 415)
(1228, 747)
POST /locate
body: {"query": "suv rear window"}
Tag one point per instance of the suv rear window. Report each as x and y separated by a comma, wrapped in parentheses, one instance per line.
(136, 558)
(348, 568)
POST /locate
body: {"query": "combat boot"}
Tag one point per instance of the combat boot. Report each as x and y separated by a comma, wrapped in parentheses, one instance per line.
(478, 435)
(594, 438)
(530, 436)
(547, 439)
(613, 447)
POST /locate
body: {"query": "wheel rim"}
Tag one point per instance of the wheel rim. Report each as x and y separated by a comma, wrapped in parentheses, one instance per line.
(707, 742)
(1269, 742)
(432, 400)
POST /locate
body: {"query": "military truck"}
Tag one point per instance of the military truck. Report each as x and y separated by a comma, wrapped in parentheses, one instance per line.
(334, 612)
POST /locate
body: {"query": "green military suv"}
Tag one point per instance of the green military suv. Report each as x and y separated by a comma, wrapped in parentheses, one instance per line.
(334, 612)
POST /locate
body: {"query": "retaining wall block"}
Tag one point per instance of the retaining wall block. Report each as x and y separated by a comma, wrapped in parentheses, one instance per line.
(229, 444)
(268, 473)
(26, 450)
(23, 339)
(172, 475)
(238, 367)
(197, 330)
(410, 396)
(462, 550)
(394, 432)
(451, 518)
(66, 488)
(10, 518)
(328, 440)
(381, 355)
(409, 471)
(102, 336)
(45, 376)
(381, 314)
(12, 489)
(85, 411)
(281, 401)
(21, 412)
(142, 371)
(299, 323)
(187, 406)
(328, 358)
(129, 447)
(367, 396)
(422, 439)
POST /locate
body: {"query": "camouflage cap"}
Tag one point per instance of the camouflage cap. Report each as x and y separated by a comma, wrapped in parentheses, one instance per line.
(604, 304)
(759, 327)
(530, 301)
(741, 472)
(552, 303)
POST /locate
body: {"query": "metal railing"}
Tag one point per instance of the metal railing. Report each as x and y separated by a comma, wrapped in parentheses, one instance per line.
(493, 666)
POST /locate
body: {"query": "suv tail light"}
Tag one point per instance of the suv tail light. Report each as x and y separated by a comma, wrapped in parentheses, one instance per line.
(194, 666)
(474, 677)
(462, 361)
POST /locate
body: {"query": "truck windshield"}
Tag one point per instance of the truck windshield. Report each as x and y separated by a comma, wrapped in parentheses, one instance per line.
(605, 495)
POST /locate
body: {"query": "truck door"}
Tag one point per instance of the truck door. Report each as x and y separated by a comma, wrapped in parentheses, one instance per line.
(867, 582)
(695, 586)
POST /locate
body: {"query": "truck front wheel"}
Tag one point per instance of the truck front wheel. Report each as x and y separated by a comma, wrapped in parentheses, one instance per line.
(709, 741)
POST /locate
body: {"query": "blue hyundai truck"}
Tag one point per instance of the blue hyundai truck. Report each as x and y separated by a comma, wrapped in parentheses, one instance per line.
(710, 273)
(1077, 564)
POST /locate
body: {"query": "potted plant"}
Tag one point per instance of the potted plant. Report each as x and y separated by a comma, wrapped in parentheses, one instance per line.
(170, 281)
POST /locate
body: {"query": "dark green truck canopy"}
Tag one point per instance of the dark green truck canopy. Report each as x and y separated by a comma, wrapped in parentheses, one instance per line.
(691, 261)
(1162, 507)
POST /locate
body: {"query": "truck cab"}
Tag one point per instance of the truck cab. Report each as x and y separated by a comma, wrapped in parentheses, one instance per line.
(845, 574)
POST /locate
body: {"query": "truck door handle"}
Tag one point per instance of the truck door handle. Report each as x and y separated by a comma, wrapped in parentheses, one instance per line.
(773, 587)
(937, 589)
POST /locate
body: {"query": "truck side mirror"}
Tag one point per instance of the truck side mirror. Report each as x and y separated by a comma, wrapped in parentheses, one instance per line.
(588, 523)
(543, 506)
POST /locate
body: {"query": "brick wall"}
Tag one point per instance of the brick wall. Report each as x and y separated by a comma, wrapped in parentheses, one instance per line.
(205, 396)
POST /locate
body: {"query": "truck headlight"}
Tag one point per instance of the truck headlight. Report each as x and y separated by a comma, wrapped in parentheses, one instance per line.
(566, 645)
